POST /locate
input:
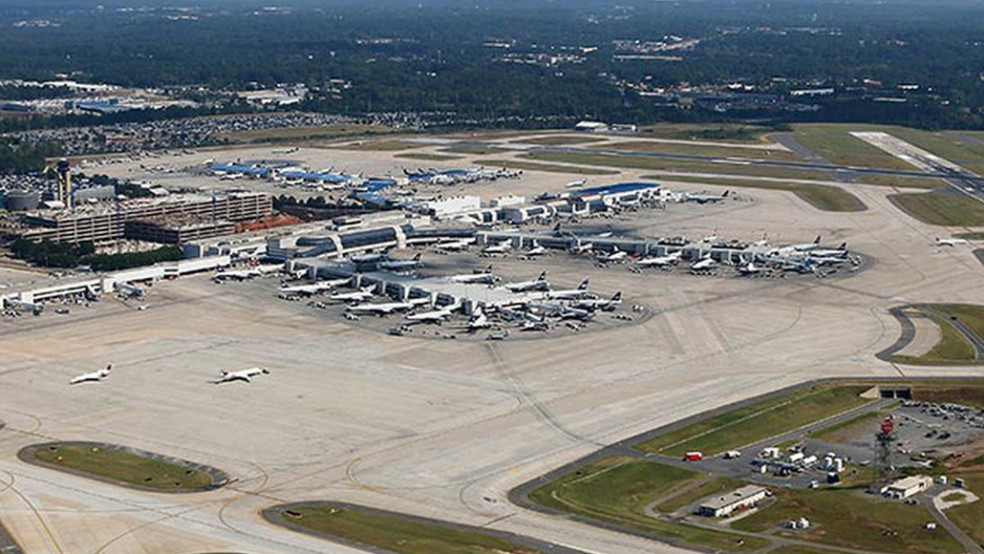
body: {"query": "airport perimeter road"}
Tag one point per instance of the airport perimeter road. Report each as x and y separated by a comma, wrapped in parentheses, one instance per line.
(438, 429)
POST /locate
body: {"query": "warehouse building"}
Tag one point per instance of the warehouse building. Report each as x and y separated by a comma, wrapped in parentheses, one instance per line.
(739, 499)
(908, 486)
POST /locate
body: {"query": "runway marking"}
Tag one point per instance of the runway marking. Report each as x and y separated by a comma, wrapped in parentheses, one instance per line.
(33, 508)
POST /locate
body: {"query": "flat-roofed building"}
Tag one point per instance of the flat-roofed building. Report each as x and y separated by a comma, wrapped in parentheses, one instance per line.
(738, 499)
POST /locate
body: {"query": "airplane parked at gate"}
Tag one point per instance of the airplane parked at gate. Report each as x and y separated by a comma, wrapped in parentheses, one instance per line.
(540, 283)
(536, 250)
(311, 289)
(401, 265)
(92, 377)
(479, 320)
(604, 304)
(485, 276)
(365, 293)
(244, 274)
(435, 316)
(380, 309)
(705, 198)
(498, 248)
(703, 264)
(614, 256)
(660, 261)
(574, 294)
(245, 375)
(454, 245)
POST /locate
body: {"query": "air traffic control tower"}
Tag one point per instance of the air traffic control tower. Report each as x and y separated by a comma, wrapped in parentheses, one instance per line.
(64, 183)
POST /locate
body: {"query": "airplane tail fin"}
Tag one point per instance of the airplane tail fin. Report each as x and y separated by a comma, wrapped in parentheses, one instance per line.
(843, 246)
(726, 193)
(542, 276)
(488, 269)
(583, 285)
(617, 297)
(816, 240)
(109, 367)
(416, 258)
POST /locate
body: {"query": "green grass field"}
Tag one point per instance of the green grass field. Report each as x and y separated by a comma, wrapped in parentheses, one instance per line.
(560, 140)
(380, 145)
(474, 149)
(952, 348)
(969, 314)
(822, 197)
(617, 490)
(902, 181)
(625, 161)
(123, 466)
(970, 517)
(757, 422)
(972, 235)
(850, 518)
(427, 156)
(714, 486)
(944, 207)
(833, 433)
(840, 148)
(396, 534)
(730, 133)
(705, 150)
(551, 168)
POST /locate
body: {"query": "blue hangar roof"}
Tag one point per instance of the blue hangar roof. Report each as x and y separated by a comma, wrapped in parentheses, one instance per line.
(619, 188)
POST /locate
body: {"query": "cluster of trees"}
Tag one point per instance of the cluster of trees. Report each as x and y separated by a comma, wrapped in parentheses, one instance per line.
(24, 157)
(435, 56)
(66, 255)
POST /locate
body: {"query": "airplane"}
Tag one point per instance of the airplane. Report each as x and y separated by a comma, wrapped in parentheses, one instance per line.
(599, 303)
(534, 326)
(242, 375)
(498, 248)
(401, 265)
(949, 242)
(576, 184)
(434, 316)
(537, 250)
(360, 295)
(380, 309)
(576, 313)
(312, 288)
(703, 264)
(368, 258)
(750, 269)
(478, 320)
(705, 198)
(614, 256)
(660, 261)
(243, 274)
(579, 292)
(21, 306)
(484, 276)
(581, 248)
(129, 290)
(806, 245)
(454, 245)
(94, 376)
(840, 251)
(540, 283)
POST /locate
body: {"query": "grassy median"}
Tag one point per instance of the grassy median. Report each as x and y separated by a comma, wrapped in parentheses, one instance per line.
(120, 465)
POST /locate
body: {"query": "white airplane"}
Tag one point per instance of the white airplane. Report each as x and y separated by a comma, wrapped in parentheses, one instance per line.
(312, 288)
(434, 316)
(454, 245)
(401, 265)
(484, 276)
(576, 313)
(479, 320)
(806, 245)
(94, 376)
(573, 294)
(380, 309)
(537, 250)
(576, 184)
(949, 242)
(599, 303)
(368, 258)
(614, 256)
(703, 264)
(581, 248)
(243, 274)
(360, 295)
(242, 375)
(750, 269)
(540, 283)
(839, 252)
(498, 248)
(705, 198)
(660, 261)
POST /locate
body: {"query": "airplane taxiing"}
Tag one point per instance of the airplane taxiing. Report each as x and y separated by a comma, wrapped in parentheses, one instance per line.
(706, 198)
(949, 242)
(245, 375)
(484, 276)
(92, 377)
